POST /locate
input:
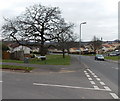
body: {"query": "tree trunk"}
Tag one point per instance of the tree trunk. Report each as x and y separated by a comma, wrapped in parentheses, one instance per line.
(63, 53)
(42, 50)
(42, 41)
(42, 47)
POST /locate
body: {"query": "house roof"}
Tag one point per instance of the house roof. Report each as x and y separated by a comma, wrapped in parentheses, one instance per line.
(106, 45)
(74, 48)
(13, 45)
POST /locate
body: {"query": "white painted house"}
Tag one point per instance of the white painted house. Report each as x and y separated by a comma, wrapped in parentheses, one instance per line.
(22, 48)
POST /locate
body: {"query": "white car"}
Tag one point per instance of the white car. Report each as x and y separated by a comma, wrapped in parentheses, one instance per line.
(41, 57)
(99, 57)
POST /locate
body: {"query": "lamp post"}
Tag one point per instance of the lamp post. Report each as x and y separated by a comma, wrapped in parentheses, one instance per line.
(80, 36)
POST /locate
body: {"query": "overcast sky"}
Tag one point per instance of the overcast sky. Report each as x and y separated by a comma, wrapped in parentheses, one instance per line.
(101, 15)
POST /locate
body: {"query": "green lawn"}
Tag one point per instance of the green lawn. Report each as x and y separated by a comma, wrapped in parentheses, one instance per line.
(113, 58)
(12, 67)
(12, 61)
(51, 60)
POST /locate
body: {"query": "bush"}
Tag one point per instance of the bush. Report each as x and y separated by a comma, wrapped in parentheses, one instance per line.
(4, 47)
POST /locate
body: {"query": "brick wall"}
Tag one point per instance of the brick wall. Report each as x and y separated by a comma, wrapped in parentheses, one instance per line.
(5, 55)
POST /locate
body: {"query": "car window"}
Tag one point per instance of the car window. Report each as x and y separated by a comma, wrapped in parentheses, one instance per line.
(99, 55)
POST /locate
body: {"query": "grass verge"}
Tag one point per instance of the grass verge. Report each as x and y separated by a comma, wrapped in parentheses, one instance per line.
(12, 67)
(51, 60)
(12, 61)
(115, 58)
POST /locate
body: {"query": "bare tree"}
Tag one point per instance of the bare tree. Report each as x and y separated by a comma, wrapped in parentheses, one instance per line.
(10, 30)
(96, 44)
(71, 43)
(37, 24)
(63, 35)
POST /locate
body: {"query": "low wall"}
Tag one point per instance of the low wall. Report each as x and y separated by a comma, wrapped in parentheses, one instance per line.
(5, 55)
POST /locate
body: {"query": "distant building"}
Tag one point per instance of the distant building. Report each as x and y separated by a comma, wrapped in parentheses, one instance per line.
(25, 49)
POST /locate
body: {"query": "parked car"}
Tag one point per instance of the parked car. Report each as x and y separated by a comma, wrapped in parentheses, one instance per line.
(99, 57)
(41, 57)
(114, 53)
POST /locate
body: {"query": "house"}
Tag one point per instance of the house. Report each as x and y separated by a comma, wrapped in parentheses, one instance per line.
(34, 49)
(18, 51)
(76, 50)
(16, 47)
(105, 47)
(108, 47)
(25, 49)
(55, 51)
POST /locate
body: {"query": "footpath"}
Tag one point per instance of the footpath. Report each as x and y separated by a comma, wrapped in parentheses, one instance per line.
(113, 61)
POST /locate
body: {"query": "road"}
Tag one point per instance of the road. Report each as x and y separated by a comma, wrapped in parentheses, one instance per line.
(107, 71)
(87, 80)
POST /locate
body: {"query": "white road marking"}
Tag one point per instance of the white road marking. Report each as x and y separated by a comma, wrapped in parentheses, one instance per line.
(65, 86)
(114, 95)
(1, 81)
(92, 82)
(95, 76)
(85, 71)
(114, 68)
(98, 79)
(88, 69)
(102, 83)
(89, 78)
(107, 88)
(91, 72)
(96, 87)
(88, 75)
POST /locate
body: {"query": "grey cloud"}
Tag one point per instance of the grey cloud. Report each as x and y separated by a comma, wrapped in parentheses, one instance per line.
(100, 21)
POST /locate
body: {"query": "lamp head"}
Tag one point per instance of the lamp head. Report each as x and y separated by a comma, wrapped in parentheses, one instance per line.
(83, 23)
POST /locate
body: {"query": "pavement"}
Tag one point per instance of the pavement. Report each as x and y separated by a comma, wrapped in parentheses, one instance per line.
(75, 81)
(112, 61)
(38, 68)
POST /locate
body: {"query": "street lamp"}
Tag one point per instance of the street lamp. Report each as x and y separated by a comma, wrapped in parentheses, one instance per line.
(80, 35)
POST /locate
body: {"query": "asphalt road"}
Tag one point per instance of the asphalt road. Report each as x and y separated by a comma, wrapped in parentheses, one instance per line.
(107, 71)
(77, 81)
